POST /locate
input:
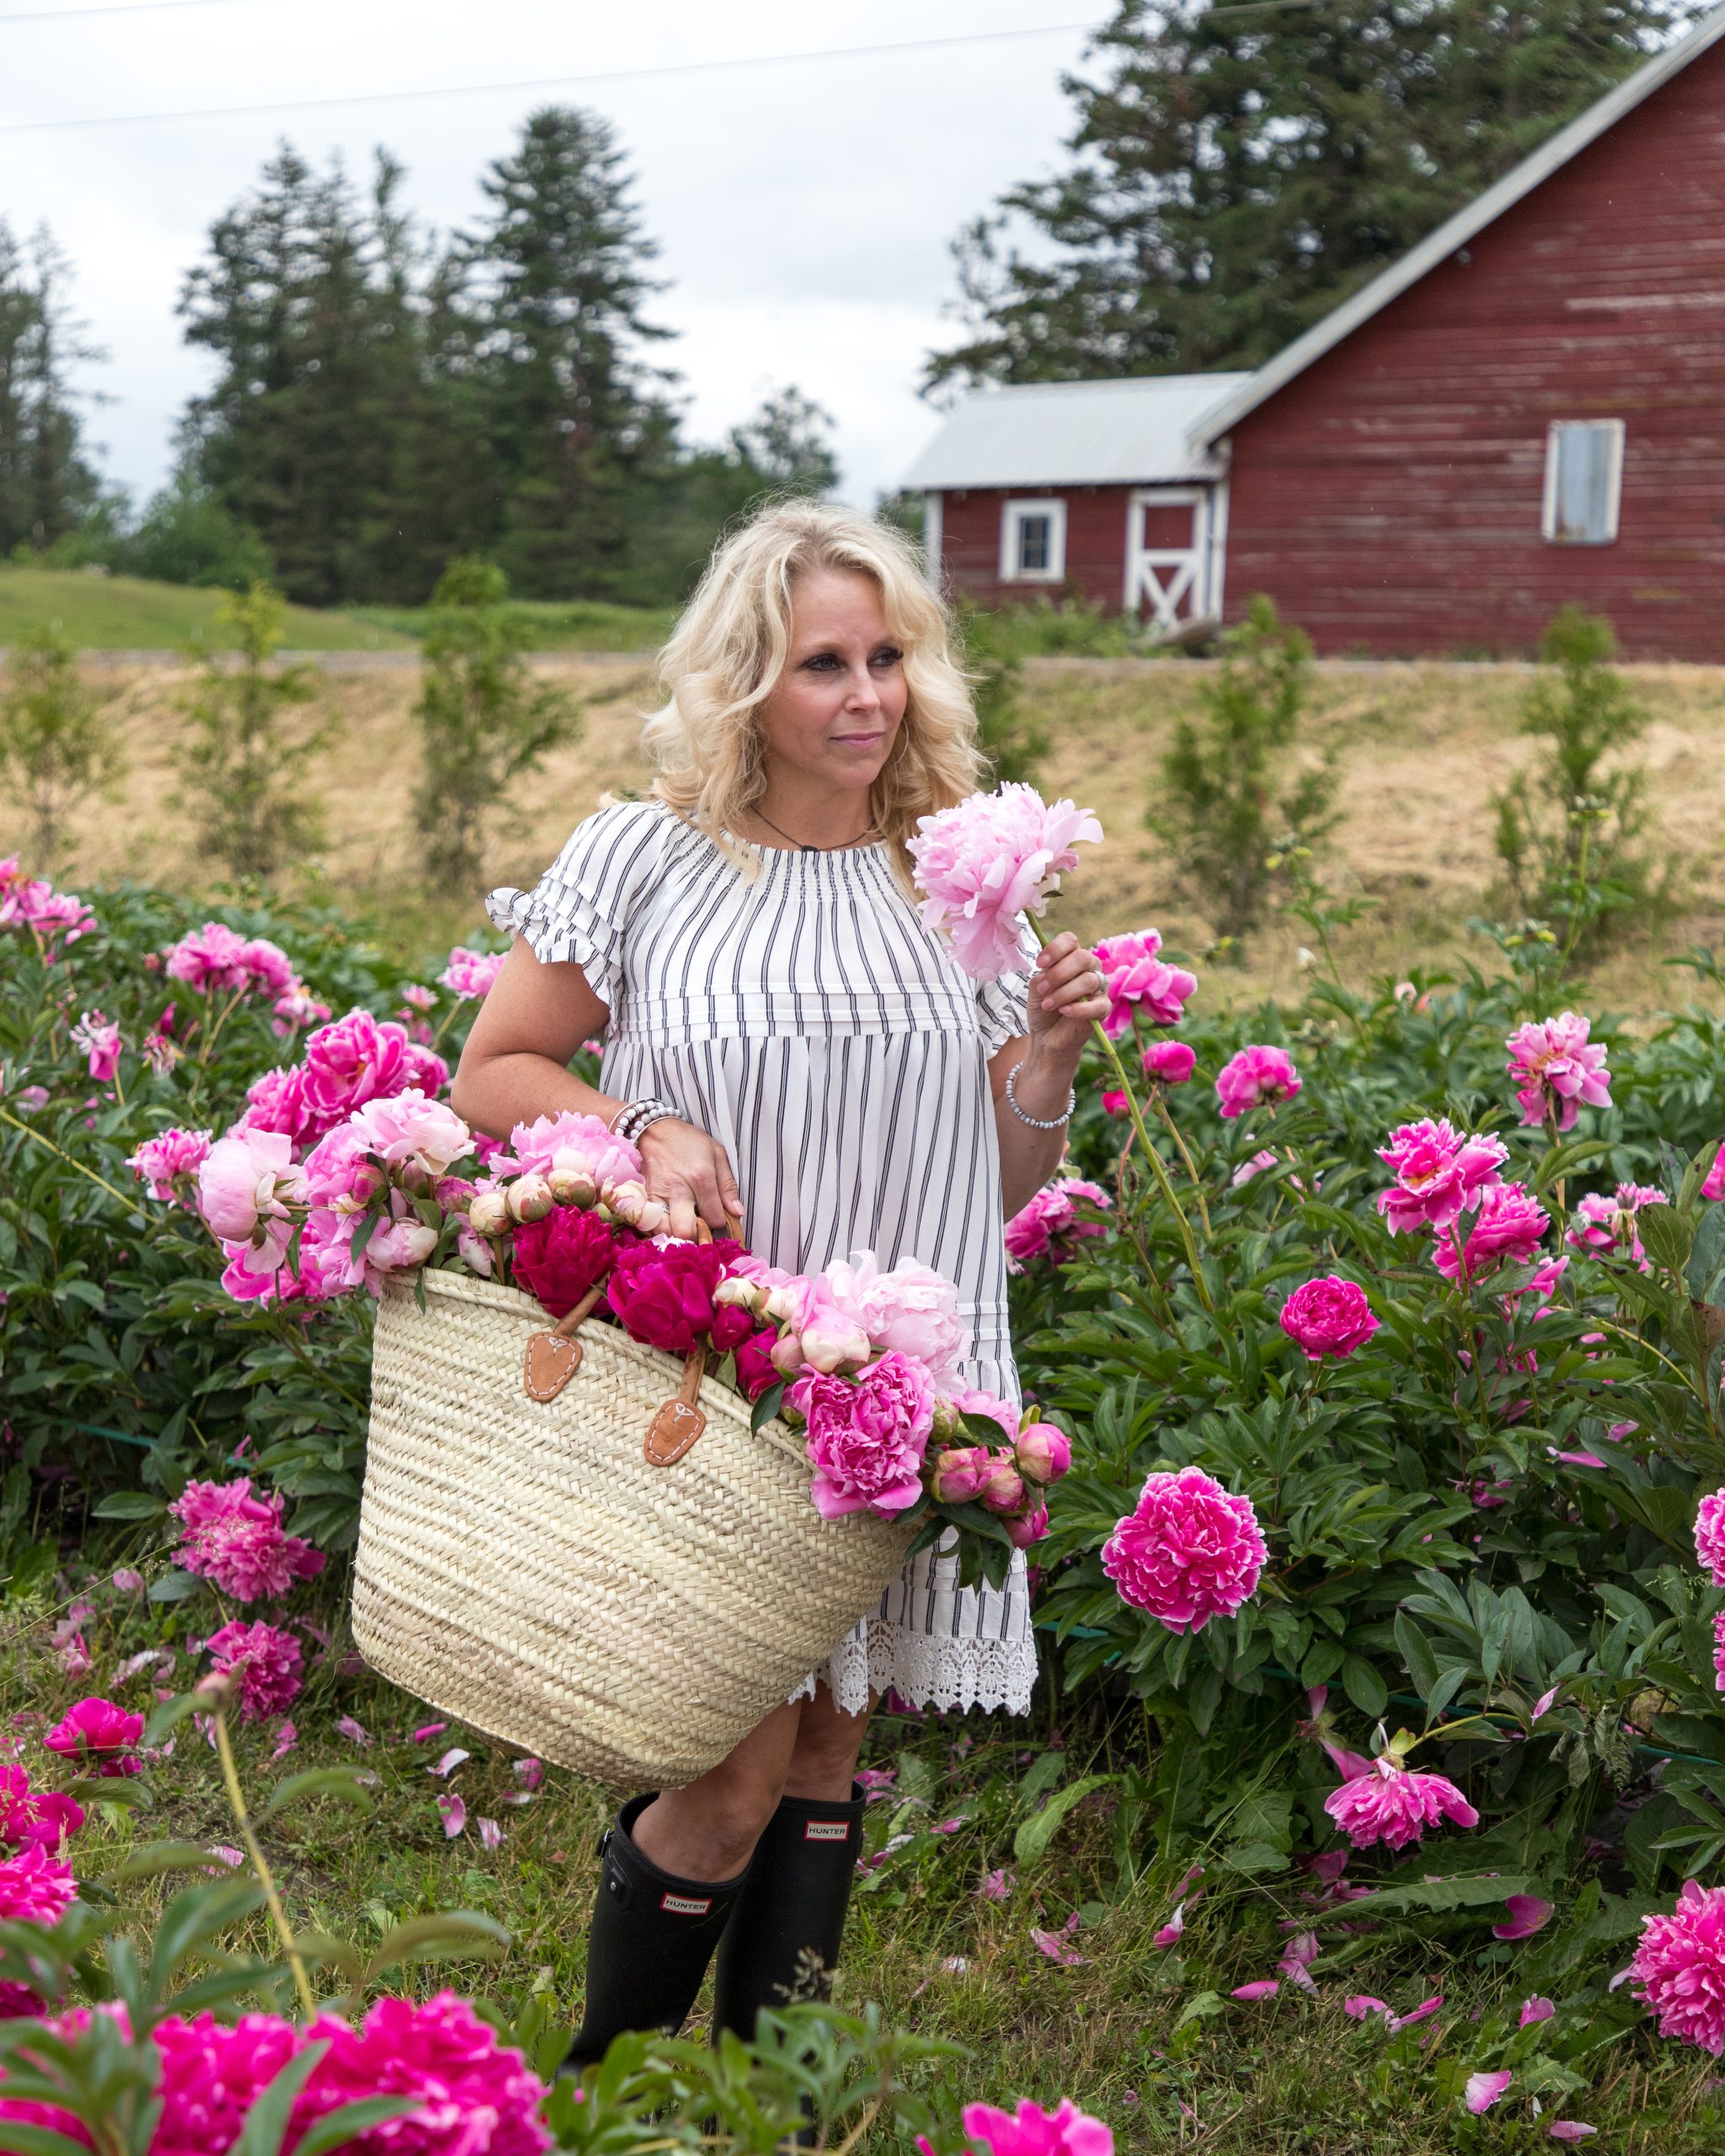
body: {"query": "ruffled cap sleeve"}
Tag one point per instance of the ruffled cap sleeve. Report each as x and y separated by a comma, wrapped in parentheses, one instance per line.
(579, 911)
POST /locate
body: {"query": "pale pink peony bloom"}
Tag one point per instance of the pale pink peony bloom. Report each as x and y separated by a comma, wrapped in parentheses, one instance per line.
(1136, 979)
(100, 1736)
(1506, 1228)
(1604, 1226)
(1557, 1070)
(972, 1400)
(1482, 2090)
(1679, 1967)
(168, 1165)
(1257, 1077)
(339, 1172)
(1528, 1914)
(1714, 1186)
(1329, 1316)
(991, 859)
(54, 916)
(1169, 1063)
(1710, 1534)
(573, 1142)
(866, 1439)
(1534, 2009)
(1051, 1226)
(1247, 1170)
(1033, 2131)
(97, 1040)
(912, 1309)
(236, 1541)
(1439, 1171)
(1189, 1550)
(471, 972)
(245, 1186)
(265, 1663)
(35, 1887)
(296, 1006)
(1394, 1805)
(407, 1130)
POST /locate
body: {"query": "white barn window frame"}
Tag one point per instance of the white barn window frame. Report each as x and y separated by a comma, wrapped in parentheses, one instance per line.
(1583, 483)
(1033, 539)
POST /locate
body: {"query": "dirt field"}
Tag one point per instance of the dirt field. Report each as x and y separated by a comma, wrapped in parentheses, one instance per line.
(1423, 748)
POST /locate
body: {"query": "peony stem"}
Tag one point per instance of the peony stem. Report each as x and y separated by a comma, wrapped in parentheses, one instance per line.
(266, 1878)
(130, 1204)
(1173, 1130)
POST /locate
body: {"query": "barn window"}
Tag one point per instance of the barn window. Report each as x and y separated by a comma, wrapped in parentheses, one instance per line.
(1583, 482)
(1034, 542)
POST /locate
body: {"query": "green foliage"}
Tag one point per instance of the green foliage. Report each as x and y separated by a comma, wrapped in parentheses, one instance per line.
(485, 723)
(1234, 175)
(789, 443)
(57, 743)
(1228, 800)
(46, 486)
(242, 766)
(1570, 832)
(126, 613)
(188, 536)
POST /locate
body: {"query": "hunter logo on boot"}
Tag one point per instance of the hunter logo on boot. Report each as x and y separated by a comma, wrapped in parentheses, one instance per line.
(827, 1830)
(685, 1905)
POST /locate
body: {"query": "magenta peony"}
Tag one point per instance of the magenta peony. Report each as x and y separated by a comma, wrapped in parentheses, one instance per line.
(1391, 1804)
(359, 1058)
(98, 1038)
(990, 859)
(1032, 2131)
(1050, 1225)
(168, 1165)
(1136, 979)
(756, 1370)
(1440, 1171)
(215, 958)
(1329, 1316)
(568, 1141)
(100, 1736)
(1257, 1077)
(912, 1309)
(1507, 1228)
(265, 1663)
(1115, 1103)
(1169, 1062)
(560, 1257)
(277, 1102)
(662, 1291)
(866, 1437)
(407, 1130)
(1002, 1490)
(35, 1887)
(1679, 1967)
(1557, 1070)
(471, 972)
(1719, 1651)
(35, 1815)
(1024, 1528)
(1710, 1534)
(1714, 1185)
(236, 1540)
(1188, 1551)
(1605, 1227)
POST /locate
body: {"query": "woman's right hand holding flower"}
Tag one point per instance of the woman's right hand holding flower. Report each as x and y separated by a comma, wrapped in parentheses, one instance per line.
(690, 1174)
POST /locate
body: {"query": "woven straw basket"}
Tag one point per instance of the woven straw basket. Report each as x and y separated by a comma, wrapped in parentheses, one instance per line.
(525, 1567)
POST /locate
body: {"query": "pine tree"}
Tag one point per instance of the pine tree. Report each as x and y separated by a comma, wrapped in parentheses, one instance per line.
(47, 486)
(1235, 174)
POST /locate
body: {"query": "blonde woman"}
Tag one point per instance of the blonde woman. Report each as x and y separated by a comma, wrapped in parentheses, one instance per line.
(787, 1044)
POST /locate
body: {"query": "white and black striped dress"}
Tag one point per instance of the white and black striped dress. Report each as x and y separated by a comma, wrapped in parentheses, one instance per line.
(834, 1047)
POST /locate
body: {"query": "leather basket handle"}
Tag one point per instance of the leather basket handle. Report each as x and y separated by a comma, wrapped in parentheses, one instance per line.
(680, 1420)
(552, 1358)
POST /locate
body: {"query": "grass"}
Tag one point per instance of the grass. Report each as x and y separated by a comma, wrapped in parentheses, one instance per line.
(1146, 2039)
(554, 625)
(129, 613)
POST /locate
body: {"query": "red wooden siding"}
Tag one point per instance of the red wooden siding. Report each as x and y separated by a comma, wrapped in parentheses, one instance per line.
(1096, 542)
(1389, 497)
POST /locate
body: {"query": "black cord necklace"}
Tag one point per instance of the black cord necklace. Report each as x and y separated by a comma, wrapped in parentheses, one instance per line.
(802, 846)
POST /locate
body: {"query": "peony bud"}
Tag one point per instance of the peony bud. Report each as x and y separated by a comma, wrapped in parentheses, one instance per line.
(735, 1293)
(730, 1327)
(488, 1213)
(1004, 1492)
(529, 1197)
(960, 1473)
(948, 1423)
(364, 1184)
(780, 1303)
(786, 1354)
(626, 1201)
(474, 1252)
(832, 1343)
(572, 1186)
(1026, 1527)
(653, 1218)
(1043, 1453)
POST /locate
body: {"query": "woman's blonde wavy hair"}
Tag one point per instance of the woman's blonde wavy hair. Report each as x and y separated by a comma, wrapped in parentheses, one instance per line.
(728, 651)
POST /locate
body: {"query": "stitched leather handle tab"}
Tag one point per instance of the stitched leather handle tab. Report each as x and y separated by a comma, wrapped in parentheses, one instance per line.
(552, 1358)
(675, 1429)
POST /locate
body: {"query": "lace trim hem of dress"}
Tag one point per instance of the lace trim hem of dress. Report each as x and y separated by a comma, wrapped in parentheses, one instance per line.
(926, 1671)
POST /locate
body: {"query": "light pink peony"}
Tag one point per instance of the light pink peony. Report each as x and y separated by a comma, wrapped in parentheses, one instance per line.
(816, 1331)
(1710, 1534)
(296, 1006)
(1604, 1226)
(1188, 1551)
(1051, 1225)
(471, 972)
(168, 1165)
(56, 917)
(1249, 1169)
(1136, 979)
(236, 1541)
(215, 957)
(1329, 1316)
(1439, 1171)
(1393, 1805)
(265, 1663)
(245, 1186)
(1169, 1062)
(972, 1400)
(1043, 1452)
(571, 1141)
(100, 1736)
(866, 1438)
(1032, 2131)
(407, 1130)
(1507, 1228)
(97, 1040)
(991, 859)
(961, 1473)
(1679, 1967)
(35, 1887)
(1257, 1077)
(339, 1172)
(1557, 1070)
(912, 1309)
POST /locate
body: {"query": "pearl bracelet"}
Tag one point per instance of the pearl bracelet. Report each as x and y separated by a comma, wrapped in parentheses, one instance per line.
(1036, 1122)
(637, 1117)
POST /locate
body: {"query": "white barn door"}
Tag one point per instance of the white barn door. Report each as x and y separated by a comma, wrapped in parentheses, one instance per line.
(1174, 540)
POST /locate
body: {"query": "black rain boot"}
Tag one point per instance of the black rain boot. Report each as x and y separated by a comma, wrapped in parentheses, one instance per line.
(783, 1942)
(652, 1937)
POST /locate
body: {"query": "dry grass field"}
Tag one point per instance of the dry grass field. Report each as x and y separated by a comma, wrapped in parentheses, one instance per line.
(1422, 748)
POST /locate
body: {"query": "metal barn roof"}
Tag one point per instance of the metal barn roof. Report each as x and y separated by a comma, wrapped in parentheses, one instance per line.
(1076, 434)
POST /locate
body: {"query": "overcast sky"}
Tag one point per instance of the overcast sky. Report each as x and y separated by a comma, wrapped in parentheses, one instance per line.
(803, 210)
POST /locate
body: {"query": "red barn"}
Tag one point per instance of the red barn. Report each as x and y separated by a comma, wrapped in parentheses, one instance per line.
(1527, 409)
